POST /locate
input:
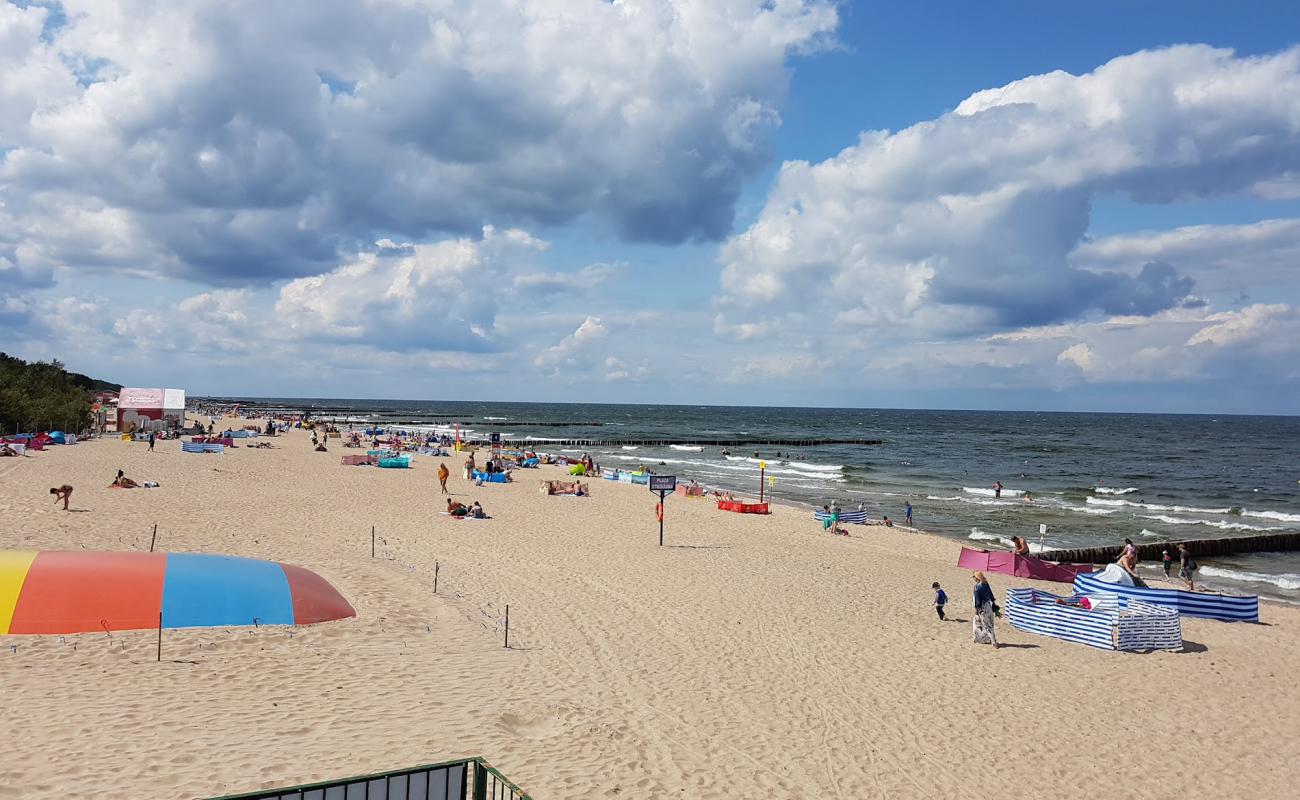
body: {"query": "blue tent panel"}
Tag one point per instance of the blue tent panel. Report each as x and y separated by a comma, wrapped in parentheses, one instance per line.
(205, 590)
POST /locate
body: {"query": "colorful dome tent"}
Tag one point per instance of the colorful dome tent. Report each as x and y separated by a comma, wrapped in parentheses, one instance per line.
(55, 591)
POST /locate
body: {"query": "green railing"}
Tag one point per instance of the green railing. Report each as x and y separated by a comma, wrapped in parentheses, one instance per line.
(465, 779)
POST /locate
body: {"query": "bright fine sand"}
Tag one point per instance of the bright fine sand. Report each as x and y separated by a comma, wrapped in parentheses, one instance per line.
(751, 658)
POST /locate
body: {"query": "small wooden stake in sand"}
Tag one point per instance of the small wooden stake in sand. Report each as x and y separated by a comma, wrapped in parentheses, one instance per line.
(507, 626)
(160, 637)
(435, 577)
(372, 541)
(153, 540)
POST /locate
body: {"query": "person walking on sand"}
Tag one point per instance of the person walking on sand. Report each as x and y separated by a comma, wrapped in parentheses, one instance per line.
(981, 623)
(62, 493)
(443, 475)
(152, 436)
(940, 599)
(1167, 562)
(909, 521)
(1187, 567)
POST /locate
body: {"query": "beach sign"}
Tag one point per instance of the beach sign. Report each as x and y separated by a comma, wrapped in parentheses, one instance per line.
(662, 485)
(1042, 529)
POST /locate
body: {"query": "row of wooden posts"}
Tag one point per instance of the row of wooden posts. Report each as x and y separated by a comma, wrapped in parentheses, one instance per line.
(436, 568)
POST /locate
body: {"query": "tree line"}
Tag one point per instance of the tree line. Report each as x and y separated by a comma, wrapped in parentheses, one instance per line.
(41, 395)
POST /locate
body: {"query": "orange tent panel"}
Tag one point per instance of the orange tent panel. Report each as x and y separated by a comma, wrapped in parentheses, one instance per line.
(70, 592)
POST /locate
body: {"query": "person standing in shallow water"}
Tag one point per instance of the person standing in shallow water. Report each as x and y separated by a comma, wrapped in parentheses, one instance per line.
(997, 488)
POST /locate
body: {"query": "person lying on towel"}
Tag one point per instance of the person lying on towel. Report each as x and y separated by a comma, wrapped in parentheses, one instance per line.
(456, 509)
(123, 482)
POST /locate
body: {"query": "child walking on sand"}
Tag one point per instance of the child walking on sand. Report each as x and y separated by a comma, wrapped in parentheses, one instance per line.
(443, 475)
(940, 599)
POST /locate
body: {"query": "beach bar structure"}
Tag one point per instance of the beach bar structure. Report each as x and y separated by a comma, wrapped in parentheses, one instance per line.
(147, 409)
(1105, 621)
(1208, 605)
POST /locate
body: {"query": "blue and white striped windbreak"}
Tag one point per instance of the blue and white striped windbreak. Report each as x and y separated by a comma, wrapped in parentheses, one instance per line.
(847, 517)
(1225, 607)
(1113, 622)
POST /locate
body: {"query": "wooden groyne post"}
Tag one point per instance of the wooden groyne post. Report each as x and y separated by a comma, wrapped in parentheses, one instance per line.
(1277, 542)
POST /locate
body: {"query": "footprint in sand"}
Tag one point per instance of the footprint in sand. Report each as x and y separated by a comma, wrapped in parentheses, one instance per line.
(530, 727)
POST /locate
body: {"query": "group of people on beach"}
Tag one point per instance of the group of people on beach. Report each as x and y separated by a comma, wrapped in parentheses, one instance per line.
(984, 605)
(1187, 565)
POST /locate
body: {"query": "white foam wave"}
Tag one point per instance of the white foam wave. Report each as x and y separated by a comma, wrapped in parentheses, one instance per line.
(1006, 490)
(1113, 490)
(497, 419)
(816, 467)
(713, 466)
(974, 501)
(692, 448)
(1227, 526)
(976, 533)
(1093, 511)
(1101, 501)
(1286, 580)
(1277, 515)
(630, 447)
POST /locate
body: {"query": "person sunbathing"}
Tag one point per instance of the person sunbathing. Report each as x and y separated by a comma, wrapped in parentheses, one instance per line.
(456, 509)
(6, 450)
(476, 511)
(123, 482)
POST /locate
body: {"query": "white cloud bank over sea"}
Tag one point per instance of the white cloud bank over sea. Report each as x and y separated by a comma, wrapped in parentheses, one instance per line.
(343, 194)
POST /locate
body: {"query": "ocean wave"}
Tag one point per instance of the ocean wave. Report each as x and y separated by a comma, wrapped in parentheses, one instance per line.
(630, 447)
(1101, 501)
(1006, 490)
(731, 471)
(979, 535)
(1113, 490)
(1277, 515)
(1287, 580)
(816, 467)
(497, 419)
(1093, 511)
(975, 501)
(1146, 532)
(1227, 526)
(772, 463)
(692, 448)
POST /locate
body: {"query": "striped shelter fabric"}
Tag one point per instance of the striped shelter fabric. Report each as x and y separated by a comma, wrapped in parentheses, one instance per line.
(1224, 607)
(55, 591)
(191, 447)
(847, 517)
(1112, 623)
(209, 447)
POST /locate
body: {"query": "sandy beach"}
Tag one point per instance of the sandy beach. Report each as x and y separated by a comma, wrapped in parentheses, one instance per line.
(751, 657)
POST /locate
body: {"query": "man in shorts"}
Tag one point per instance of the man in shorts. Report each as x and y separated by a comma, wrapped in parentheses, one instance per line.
(1187, 567)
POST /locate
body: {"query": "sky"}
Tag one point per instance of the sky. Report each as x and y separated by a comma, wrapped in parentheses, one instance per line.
(1013, 205)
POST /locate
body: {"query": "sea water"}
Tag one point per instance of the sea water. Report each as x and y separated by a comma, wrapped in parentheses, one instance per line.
(1094, 479)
